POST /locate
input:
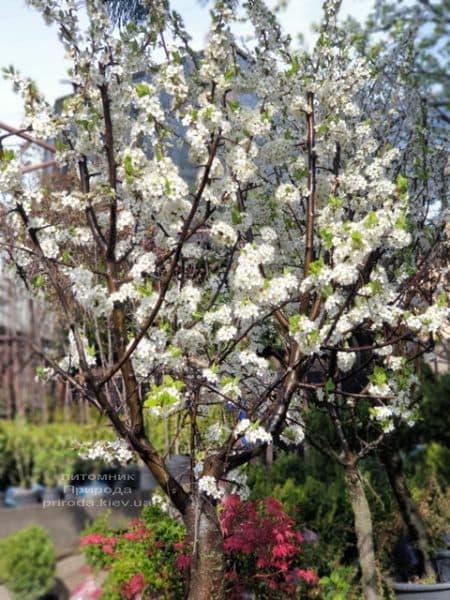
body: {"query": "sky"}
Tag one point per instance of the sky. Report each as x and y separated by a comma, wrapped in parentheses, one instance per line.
(34, 49)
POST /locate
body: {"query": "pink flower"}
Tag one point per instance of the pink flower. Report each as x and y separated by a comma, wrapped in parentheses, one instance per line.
(308, 576)
(178, 546)
(134, 586)
(94, 538)
(183, 561)
(137, 534)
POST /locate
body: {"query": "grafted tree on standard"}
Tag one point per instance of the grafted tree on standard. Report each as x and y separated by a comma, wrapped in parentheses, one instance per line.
(236, 218)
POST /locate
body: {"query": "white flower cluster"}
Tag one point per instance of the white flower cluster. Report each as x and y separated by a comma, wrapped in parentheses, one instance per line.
(288, 194)
(187, 301)
(246, 310)
(223, 233)
(278, 289)
(72, 358)
(144, 265)
(247, 276)
(293, 434)
(108, 452)
(395, 398)
(253, 363)
(345, 360)
(210, 486)
(252, 431)
(307, 334)
(161, 502)
(226, 333)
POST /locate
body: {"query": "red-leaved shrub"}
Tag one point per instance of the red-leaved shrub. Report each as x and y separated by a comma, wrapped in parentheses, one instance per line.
(263, 548)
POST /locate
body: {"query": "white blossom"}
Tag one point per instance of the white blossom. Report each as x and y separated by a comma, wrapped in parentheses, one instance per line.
(345, 360)
(210, 486)
(253, 432)
(107, 451)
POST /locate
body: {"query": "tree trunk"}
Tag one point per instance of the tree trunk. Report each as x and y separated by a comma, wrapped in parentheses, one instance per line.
(410, 513)
(363, 531)
(206, 581)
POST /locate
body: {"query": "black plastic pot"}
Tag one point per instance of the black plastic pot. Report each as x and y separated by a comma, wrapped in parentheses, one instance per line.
(52, 494)
(422, 591)
(16, 496)
(147, 482)
(442, 561)
(447, 539)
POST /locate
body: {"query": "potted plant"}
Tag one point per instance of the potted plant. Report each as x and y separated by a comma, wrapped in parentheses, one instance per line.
(18, 452)
(410, 566)
(442, 561)
(28, 562)
(53, 464)
(422, 591)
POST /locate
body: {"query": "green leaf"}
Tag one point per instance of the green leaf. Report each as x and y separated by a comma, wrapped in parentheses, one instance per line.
(176, 57)
(357, 239)
(329, 386)
(400, 223)
(335, 202)
(316, 266)
(40, 373)
(294, 323)
(142, 89)
(442, 300)
(7, 155)
(371, 220)
(234, 105)
(313, 336)
(379, 376)
(128, 166)
(236, 217)
(295, 67)
(327, 290)
(229, 74)
(327, 237)
(60, 145)
(300, 173)
(146, 289)
(174, 351)
(375, 287)
(402, 184)
(323, 128)
(38, 281)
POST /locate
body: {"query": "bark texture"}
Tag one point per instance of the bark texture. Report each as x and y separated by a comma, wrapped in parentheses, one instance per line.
(207, 571)
(411, 516)
(364, 532)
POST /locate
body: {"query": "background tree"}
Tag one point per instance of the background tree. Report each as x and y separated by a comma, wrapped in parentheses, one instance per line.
(241, 222)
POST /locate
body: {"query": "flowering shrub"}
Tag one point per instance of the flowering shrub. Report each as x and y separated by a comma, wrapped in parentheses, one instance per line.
(263, 549)
(140, 559)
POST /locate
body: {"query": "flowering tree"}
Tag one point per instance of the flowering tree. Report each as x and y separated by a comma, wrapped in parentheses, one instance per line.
(241, 220)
